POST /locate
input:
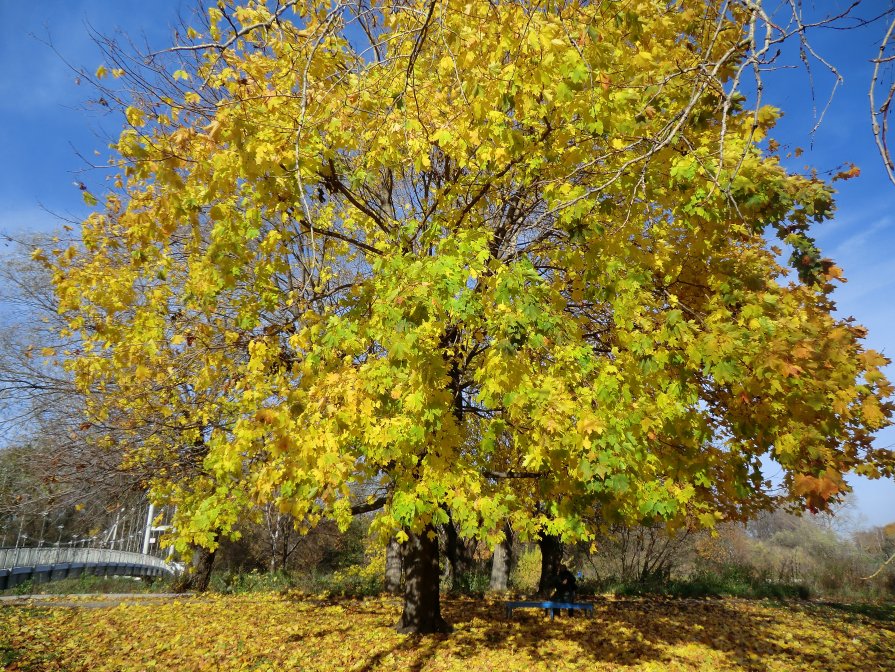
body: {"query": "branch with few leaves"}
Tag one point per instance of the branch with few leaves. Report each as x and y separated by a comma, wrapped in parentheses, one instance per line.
(880, 568)
(879, 116)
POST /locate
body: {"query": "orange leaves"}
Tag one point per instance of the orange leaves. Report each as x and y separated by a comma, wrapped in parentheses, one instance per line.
(832, 271)
(791, 370)
(817, 490)
(852, 172)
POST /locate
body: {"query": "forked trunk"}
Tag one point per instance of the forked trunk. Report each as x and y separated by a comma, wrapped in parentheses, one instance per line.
(393, 567)
(551, 558)
(422, 603)
(198, 576)
(502, 563)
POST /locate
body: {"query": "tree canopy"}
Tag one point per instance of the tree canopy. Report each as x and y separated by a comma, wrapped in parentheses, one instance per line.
(492, 260)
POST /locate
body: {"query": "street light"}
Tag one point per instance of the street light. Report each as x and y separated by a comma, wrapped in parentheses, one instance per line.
(43, 525)
(59, 541)
(19, 536)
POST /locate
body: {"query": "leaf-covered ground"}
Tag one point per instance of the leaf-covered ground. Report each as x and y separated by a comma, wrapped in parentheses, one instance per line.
(273, 632)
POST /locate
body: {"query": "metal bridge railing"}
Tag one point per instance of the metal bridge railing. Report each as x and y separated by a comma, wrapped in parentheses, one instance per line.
(34, 557)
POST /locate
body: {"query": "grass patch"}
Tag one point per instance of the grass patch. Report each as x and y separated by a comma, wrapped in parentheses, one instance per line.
(7, 655)
(88, 583)
(732, 582)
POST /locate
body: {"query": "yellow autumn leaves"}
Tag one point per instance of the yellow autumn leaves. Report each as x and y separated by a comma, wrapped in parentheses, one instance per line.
(276, 633)
(500, 237)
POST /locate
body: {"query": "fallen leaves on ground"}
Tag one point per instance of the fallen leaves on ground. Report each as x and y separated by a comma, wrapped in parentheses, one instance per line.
(275, 632)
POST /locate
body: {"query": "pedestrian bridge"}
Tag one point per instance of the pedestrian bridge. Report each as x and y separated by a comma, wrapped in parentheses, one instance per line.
(40, 565)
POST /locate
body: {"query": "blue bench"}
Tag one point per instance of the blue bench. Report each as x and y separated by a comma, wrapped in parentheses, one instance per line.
(550, 606)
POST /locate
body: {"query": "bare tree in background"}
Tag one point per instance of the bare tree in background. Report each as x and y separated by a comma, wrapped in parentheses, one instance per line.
(882, 92)
(51, 465)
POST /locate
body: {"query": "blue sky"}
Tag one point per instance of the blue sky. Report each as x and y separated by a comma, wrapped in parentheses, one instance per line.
(46, 122)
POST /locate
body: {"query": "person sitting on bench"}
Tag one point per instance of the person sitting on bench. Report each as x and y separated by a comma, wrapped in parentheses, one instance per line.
(566, 586)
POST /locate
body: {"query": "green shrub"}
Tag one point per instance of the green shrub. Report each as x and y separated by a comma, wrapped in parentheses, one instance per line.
(357, 580)
(24, 588)
(474, 582)
(527, 572)
(733, 581)
(250, 582)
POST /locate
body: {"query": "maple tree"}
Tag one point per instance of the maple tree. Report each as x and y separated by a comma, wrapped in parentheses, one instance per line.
(485, 262)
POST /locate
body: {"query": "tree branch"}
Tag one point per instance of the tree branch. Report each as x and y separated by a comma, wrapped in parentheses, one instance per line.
(880, 569)
(512, 474)
(375, 505)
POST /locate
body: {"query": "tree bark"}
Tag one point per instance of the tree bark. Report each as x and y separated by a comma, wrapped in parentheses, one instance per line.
(551, 558)
(393, 567)
(458, 555)
(451, 552)
(198, 576)
(502, 563)
(422, 603)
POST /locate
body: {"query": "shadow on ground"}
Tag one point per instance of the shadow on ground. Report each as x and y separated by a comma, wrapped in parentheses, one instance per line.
(689, 633)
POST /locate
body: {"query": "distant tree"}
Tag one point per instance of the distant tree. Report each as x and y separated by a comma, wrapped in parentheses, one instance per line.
(54, 481)
(881, 542)
(491, 261)
(502, 562)
(393, 567)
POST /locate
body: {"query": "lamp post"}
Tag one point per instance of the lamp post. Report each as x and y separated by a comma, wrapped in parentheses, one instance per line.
(21, 538)
(147, 534)
(43, 526)
(113, 533)
(19, 535)
(16, 557)
(59, 541)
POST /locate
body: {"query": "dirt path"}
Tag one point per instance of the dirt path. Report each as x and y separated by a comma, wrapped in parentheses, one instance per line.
(87, 601)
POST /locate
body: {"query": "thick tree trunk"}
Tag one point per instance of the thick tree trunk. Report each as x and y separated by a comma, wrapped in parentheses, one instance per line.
(198, 576)
(422, 603)
(393, 567)
(551, 558)
(502, 563)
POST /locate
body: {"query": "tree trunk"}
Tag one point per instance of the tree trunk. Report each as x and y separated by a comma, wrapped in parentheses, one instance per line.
(502, 563)
(452, 565)
(551, 558)
(284, 557)
(422, 604)
(393, 567)
(198, 576)
(458, 555)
